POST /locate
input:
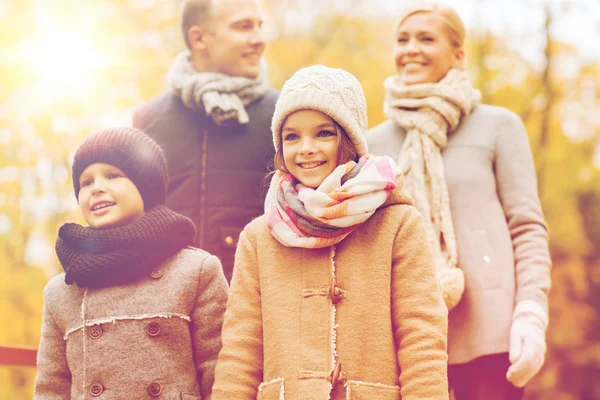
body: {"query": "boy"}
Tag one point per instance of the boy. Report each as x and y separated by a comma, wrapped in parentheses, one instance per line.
(144, 317)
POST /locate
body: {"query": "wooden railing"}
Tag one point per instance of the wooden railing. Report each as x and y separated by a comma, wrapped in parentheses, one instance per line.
(17, 356)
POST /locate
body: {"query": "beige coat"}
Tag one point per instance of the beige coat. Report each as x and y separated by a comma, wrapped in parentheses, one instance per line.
(500, 230)
(156, 338)
(282, 328)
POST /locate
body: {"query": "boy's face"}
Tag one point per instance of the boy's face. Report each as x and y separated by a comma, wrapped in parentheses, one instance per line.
(108, 198)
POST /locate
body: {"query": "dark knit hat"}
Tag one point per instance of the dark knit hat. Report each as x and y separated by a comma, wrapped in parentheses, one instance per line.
(134, 153)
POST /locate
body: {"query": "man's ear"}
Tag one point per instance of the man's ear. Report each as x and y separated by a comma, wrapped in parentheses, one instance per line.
(197, 38)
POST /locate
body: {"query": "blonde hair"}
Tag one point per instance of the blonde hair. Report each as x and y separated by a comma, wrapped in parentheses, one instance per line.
(346, 150)
(451, 18)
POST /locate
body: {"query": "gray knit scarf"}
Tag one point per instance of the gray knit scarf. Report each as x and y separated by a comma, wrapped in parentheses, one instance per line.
(428, 112)
(221, 96)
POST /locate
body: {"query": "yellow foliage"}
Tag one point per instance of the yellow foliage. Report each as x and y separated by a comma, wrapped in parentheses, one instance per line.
(139, 44)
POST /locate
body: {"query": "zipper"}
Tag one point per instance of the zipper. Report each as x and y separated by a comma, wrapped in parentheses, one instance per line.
(203, 188)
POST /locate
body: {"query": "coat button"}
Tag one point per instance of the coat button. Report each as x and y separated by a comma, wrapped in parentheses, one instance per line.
(153, 329)
(335, 292)
(337, 375)
(157, 273)
(154, 389)
(229, 240)
(96, 389)
(95, 331)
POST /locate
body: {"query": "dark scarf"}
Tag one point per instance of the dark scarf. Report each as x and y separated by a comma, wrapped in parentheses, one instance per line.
(95, 258)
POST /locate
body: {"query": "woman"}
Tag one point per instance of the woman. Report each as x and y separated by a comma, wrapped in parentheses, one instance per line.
(334, 294)
(470, 170)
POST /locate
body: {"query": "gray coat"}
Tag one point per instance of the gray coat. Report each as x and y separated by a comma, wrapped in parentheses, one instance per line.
(501, 234)
(156, 338)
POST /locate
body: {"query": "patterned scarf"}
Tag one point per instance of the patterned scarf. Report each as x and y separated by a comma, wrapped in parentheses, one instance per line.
(428, 112)
(221, 96)
(97, 258)
(299, 216)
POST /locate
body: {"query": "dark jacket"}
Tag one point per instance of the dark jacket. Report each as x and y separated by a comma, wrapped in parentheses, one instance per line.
(216, 174)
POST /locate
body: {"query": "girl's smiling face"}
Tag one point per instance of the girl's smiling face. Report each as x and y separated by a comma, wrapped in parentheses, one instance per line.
(310, 142)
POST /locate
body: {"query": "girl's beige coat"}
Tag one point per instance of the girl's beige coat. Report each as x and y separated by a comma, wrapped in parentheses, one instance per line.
(282, 330)
(156, 338)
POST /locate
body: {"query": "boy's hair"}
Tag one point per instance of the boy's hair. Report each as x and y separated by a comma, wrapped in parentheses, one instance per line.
(134, 153)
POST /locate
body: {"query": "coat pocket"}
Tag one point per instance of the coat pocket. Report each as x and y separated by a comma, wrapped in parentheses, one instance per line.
(272, 390)
(185, 396)
(483, 258)
(356, 390)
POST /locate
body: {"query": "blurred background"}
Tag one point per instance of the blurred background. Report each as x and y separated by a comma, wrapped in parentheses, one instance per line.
(70, 67)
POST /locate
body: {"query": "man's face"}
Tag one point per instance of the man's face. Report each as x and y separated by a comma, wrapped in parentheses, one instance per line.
(234, 44)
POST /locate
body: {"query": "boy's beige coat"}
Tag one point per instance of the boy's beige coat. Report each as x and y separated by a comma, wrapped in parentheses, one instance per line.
(156, 338)
(281, 328)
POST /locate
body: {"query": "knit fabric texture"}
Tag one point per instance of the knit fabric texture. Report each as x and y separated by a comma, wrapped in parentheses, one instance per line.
(429, 112)
(299, 216)
(183, 301)
(387, 332)
(134, 153)
(95, 258)
(332, 91)
(221, 96)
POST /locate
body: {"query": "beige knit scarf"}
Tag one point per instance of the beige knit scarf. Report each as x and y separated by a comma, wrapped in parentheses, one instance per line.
(222, 97)
(428, 112)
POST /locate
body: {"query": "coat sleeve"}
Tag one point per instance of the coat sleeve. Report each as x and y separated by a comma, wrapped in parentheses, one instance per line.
(137, 118)
(419, 315)
(240, 367)
(517, 188)
(53, 380)
(207, 321)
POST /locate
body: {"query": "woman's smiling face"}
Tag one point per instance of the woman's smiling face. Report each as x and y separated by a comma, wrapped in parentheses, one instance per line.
(424, 52)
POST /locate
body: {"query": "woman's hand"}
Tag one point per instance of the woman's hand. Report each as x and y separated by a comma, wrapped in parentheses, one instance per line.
(527, 342)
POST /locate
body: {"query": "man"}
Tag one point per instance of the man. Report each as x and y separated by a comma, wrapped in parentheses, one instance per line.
(213, 123)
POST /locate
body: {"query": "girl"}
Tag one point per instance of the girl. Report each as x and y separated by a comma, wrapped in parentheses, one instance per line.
(469, 168)
(334, 293)
(137, 313)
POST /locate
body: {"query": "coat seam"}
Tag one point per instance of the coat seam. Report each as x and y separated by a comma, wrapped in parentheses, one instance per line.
(114, 319)
(83, 339)
(334, 325)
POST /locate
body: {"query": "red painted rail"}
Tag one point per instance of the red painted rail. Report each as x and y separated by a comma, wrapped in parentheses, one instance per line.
(14, 355)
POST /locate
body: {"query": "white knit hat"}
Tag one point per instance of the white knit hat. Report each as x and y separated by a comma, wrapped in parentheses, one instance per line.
(332, 91)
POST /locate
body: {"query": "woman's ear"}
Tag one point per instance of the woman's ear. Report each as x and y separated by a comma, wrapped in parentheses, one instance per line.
(459, 58)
